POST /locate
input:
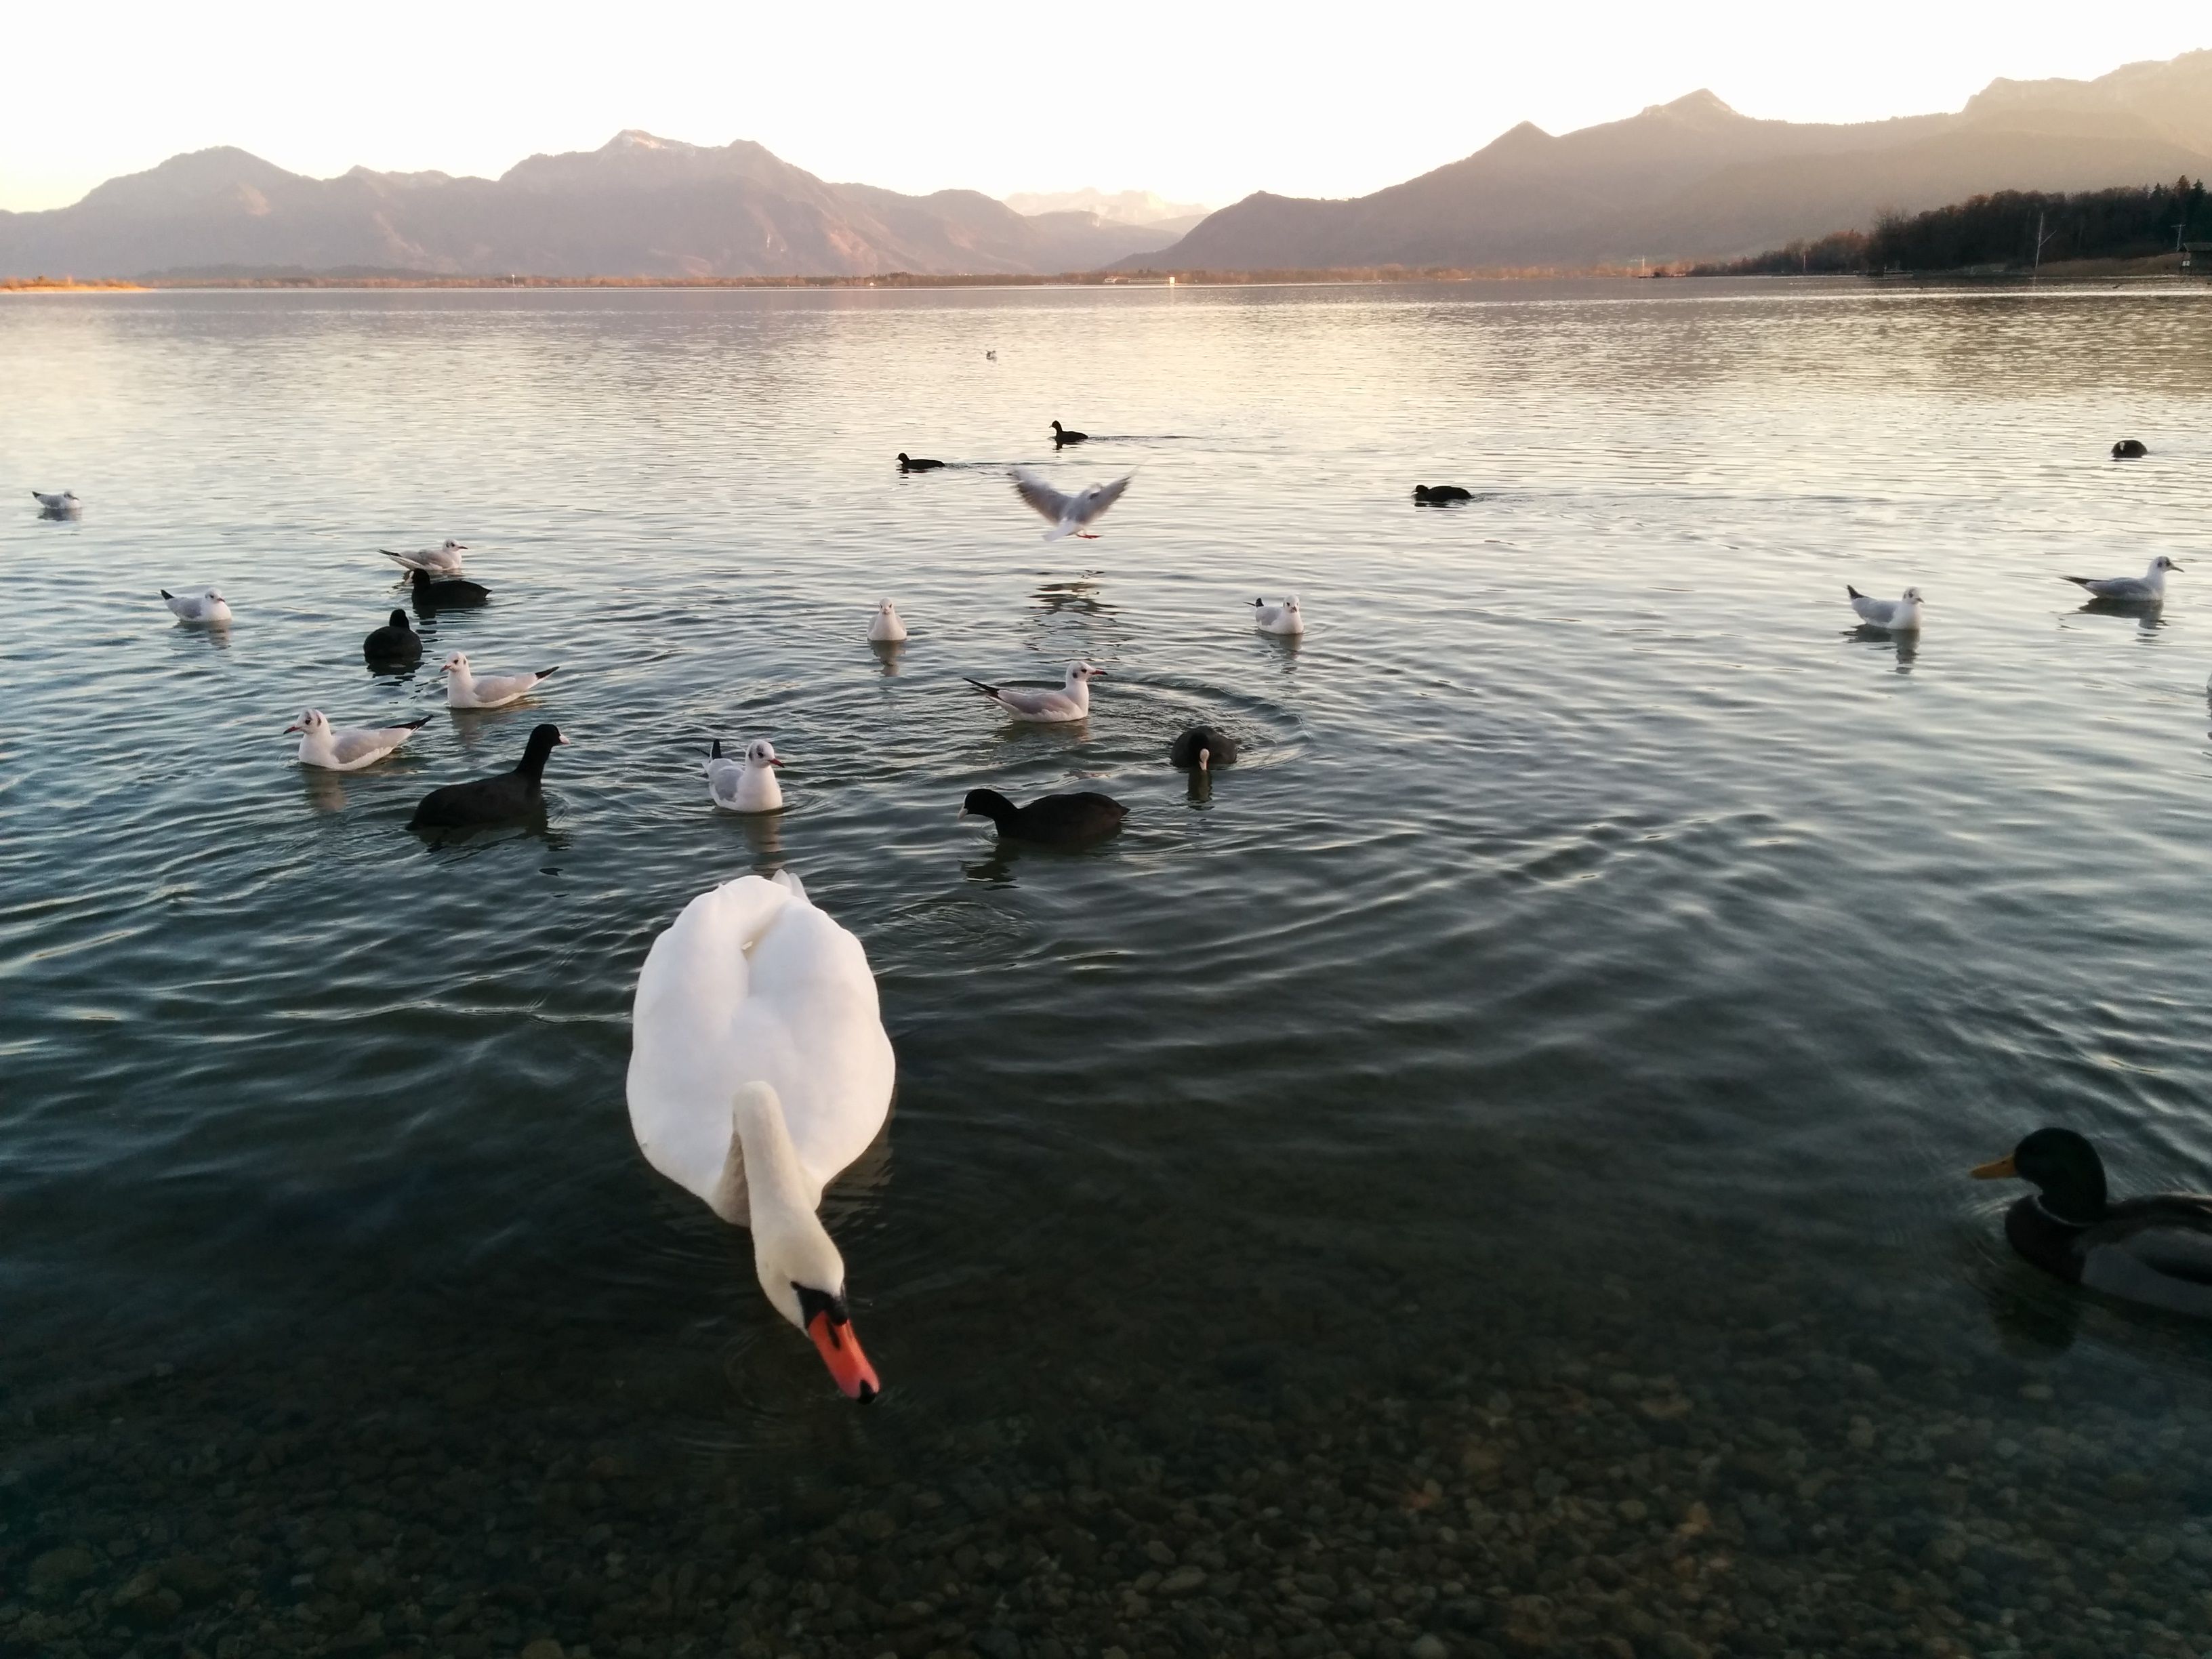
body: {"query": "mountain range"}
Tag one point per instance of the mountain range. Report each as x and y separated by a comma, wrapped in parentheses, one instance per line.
(1688, 179)
(1693, 177)
(637, 206)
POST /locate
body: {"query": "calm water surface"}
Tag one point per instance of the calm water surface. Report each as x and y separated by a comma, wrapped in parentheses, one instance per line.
(1490, 1178)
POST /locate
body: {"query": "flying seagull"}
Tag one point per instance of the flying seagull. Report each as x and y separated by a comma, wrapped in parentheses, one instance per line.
(1068, 514)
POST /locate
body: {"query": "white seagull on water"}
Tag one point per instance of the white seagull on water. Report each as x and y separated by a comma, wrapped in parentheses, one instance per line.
(466, 689)
(2149, 589)
(204, 606)
(1047, 705)
(746, 785)
(1898, 616)
(1068, 514)
(58, 506)
(886, 628)
(436, 561)
(1284, 618)
(348, 748)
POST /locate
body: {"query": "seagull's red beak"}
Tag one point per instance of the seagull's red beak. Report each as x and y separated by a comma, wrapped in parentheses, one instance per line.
(841, 1352)
(295, 726)
(775, 760)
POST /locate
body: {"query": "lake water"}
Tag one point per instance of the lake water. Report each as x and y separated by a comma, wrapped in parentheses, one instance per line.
(1489, 1179)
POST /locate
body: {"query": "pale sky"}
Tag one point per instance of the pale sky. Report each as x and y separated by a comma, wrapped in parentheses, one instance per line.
(1198, 103)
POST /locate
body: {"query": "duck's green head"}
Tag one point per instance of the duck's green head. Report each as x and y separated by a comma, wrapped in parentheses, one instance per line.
(2061, 1164)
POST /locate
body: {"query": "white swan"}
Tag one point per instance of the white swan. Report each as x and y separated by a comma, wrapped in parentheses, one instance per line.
(1284, 618)
(746, 785)
(886, 629)
(758, 1071)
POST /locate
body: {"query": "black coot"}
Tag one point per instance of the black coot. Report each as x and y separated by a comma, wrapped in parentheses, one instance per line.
(1049, 820)
(1202, 748)
(2129, 449)
(916, 464)
(446, 592)
(1060, 435)
(500, 799)
(1433, 494)
(395, 645)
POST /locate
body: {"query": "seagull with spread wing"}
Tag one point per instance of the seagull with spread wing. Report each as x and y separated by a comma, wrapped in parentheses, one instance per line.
(1068, 514)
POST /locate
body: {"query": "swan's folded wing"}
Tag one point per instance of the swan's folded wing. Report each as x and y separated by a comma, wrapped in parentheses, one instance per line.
(813, 977)
(693, 1024)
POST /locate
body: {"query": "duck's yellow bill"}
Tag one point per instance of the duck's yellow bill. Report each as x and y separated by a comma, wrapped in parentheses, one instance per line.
(2002, 1169)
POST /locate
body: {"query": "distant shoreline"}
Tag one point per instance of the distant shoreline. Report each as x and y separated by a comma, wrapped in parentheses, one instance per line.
(2133, 271)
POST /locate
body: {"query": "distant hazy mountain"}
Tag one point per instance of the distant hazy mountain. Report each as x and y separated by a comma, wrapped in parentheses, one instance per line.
(1693, 178)
(640, 206)
(1125, 207)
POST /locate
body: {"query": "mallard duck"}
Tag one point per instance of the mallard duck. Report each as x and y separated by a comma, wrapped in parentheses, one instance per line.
(2156, 1250)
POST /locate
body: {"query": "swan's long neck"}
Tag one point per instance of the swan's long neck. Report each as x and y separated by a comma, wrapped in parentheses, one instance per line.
(777, 1185)
(791, 1248)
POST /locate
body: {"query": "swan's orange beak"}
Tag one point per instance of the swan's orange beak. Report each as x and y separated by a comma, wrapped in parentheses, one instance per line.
(841, 1352)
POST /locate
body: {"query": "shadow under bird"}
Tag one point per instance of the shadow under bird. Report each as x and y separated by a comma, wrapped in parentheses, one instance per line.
(759, 1072)
(438, 561)
(348, 747)
(1066, 820)
(499, 799)
(745, 786)
(446, 592)
(1068, 514)
(2149, 589)
(2154, 1250)
(916, 464)
(1900, 616)
(1062, 436)
(1047, 705)
(395, 645)
(1201, 748)
(1439, 495)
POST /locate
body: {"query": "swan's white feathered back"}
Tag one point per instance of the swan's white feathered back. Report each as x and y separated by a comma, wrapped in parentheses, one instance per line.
(753, 983)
